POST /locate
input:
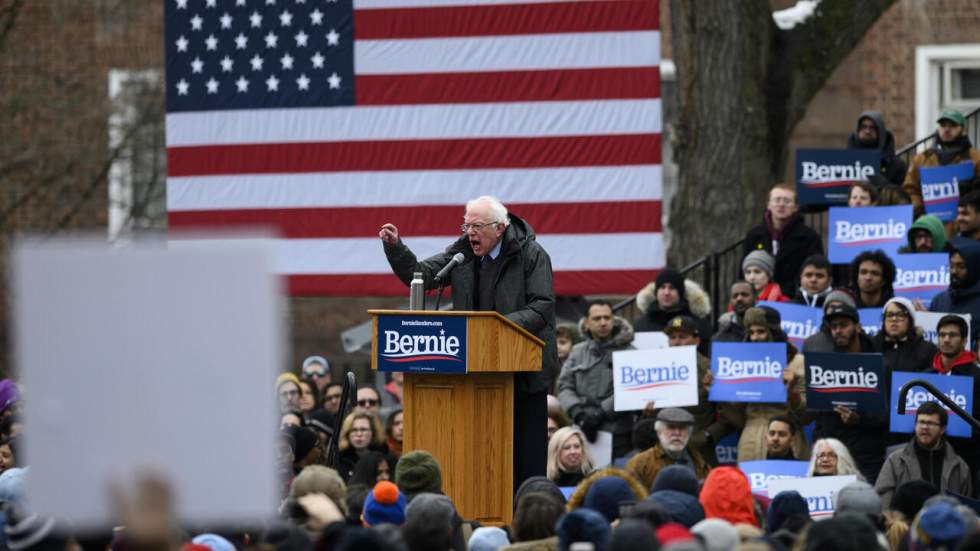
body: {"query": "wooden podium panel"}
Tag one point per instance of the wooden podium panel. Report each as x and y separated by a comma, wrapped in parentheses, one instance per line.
(466, 420)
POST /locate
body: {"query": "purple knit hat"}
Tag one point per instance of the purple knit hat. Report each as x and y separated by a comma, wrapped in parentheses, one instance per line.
(9, 394)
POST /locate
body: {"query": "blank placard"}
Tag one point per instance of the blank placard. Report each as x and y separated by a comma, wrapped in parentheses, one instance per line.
(149, 359)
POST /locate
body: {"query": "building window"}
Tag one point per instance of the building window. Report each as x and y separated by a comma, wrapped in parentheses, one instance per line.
(946, 77)
(137, 143)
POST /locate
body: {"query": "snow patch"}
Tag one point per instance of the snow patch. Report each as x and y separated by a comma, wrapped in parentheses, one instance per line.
(791, 17)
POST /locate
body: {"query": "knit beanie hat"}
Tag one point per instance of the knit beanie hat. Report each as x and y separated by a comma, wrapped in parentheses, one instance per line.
(9, 394)
(418, 472)
(25, 530)
(939, 525)
(672, 276)
(683, 508)
(727, 495)
(582, 524)
(676, 477)
(538, 484)
(858, 497)
(322, 420)
(304, 440)
(840, 295)
(762, 259)
(908, 499)
(213, 542)
(901, 301)
(783, 506)
(384, 505)
(487, 538)
(606, 494)
(718, 534)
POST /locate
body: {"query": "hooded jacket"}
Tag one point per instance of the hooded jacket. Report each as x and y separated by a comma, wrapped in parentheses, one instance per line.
(695, 303)
(966, 298)
(892, 167)
(903, 466)
(524, 291)
(797, 241)
(727, 495)
(940, 154)
(577, 498)
(931, 224)
(586, 377)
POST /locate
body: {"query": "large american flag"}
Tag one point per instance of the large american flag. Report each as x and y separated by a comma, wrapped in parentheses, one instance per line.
(325, 119)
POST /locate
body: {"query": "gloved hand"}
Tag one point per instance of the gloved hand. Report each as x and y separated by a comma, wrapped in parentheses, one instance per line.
(589, 421)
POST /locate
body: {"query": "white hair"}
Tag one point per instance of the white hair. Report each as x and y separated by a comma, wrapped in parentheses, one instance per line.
(498, 212)
(845, 463)
(558, 440)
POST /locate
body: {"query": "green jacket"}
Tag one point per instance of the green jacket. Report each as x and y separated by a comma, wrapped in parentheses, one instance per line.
(524, 291)
(933, 225)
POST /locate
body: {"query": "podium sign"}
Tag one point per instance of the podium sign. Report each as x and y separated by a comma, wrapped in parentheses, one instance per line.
(421, 344)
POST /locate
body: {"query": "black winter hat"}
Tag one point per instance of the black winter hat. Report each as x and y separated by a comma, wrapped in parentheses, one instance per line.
(676, 477)
(909, 497)
(672, 276)
(683, 508)
(783, 506)
(304, 440)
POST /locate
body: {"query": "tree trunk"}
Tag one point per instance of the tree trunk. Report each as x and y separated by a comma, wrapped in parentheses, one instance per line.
(742, 86)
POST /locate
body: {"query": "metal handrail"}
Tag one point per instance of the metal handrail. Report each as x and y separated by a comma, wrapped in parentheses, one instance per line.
(910, 149)
(903, 394)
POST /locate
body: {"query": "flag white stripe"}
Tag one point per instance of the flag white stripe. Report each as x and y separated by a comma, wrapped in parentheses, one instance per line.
(407, 122)
(407, 188)
(507, 53)
(381, 4)
(616, 251)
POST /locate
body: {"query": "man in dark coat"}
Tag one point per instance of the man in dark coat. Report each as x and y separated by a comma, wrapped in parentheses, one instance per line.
(505, 270)
(963, 294)
(871, 133)
(864, 433)
(783, 234)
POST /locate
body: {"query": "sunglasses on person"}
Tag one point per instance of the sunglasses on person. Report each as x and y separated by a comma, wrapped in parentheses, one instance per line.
(368, 402)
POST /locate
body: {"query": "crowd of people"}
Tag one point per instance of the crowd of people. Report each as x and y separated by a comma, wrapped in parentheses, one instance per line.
(665, 484)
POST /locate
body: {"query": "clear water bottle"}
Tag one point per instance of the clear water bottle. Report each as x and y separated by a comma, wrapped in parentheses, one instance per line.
(416, 297)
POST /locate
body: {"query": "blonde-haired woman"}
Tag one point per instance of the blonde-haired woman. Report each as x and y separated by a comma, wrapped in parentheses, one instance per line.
(361, 433)
(569, 461)
(831, 458)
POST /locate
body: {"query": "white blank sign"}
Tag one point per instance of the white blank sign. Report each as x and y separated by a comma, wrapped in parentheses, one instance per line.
(148, 360)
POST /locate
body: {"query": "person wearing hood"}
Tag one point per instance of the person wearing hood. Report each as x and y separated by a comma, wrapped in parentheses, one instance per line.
(927, 235)
(506, 270)
(815, 282)
(963, 294)
(954, 359)
(669, 296)
(727, 495)
(585, 385)
(763, 325)
(871, 133)
(784, 235)
(900, 341)
(952, 146)
(604, 490)
(872, 277)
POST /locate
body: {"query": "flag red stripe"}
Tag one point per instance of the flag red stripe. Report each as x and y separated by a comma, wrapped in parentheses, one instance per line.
(620, 282)
(509, 86)
(598, 217)
(608, 150)
(506, 19)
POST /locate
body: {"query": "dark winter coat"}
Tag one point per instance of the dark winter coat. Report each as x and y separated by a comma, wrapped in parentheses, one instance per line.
(796, 243)
(965, 300)
(913, 354)
(903, 466)
(694, 303)
(524, 291)
(729, 329)
(892, 168)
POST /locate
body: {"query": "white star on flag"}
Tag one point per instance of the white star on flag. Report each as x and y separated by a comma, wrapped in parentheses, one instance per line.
(227, 64)
(181, 44)
(212, 86)
(317, 60)
(271, 40)
(301, 39)
(241, 41)
(197, 65)
(196, 22)
(240, 2)
(255, 19)
(226, 21)
(286, 18)
(242, 84)
(212, 42)
(256, 62)
(287, 61)
(303, 83)
(212, 3)
(334, 81)
(272, 83)
(316, 17)
(182, 87)
(181, 4)
(333, 38)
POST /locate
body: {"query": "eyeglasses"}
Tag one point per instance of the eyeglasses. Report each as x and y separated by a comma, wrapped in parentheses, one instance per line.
(289, 393)
(826, 455)
(927, 423)
(781, 201)
(896, 316)
(467, 227)
(367, 403)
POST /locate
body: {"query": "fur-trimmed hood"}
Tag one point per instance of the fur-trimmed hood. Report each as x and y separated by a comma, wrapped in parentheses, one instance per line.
(577, 498)
(697, 300)
(622, 333)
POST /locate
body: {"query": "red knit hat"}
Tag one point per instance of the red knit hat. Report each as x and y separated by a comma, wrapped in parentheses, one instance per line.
(727, 495)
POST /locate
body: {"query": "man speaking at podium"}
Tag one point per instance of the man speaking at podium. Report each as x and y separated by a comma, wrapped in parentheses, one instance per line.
(506, 270)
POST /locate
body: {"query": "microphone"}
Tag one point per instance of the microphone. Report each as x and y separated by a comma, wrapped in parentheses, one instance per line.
(457, 259)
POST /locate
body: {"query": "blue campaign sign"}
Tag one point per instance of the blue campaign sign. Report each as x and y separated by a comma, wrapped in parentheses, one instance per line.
(957, 388)
(726, 449)
(921, 276)
(855, 381)
(855, 230)
(748, 372)
(824, 175)
(421, 344)
(870, 320)
(797, 321)
(941, 188)
(760, 473)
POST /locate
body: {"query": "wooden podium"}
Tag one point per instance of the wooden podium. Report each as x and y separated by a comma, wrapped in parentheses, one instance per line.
(467, 420)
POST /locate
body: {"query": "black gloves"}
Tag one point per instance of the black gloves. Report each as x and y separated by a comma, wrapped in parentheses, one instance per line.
(589, 420)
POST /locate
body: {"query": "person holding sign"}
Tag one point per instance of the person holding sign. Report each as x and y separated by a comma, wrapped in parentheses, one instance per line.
(963, 294)
(952, 146)
(926, 457)
(763, 325)
(871, 133)
(831, 458)
(954, 359)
